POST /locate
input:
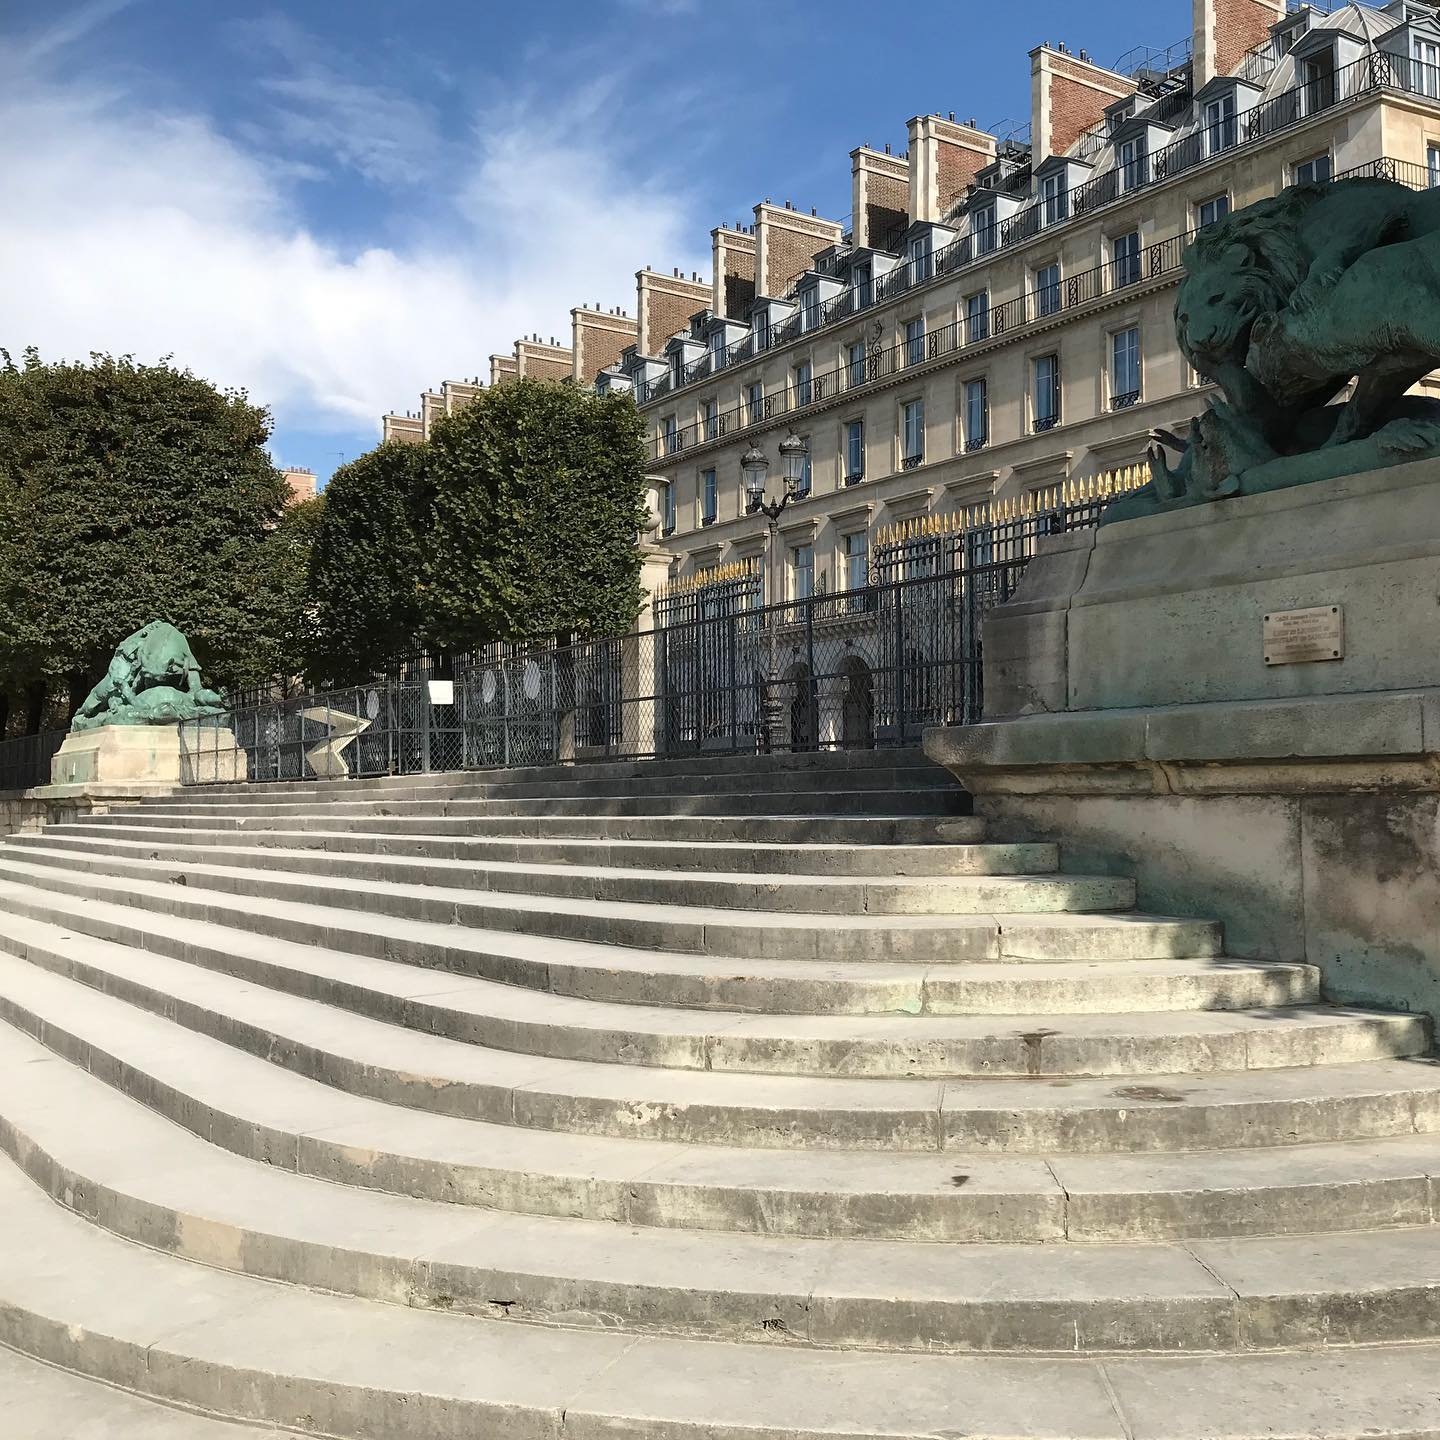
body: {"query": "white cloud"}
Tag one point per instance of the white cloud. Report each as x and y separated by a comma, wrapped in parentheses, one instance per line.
(132, 230)
(65, 31)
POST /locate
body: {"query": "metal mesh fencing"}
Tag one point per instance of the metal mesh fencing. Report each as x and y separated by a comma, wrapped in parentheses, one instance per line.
(724, 673)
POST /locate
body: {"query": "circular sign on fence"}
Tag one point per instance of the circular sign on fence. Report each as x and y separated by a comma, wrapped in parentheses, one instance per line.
(488, 687)
(532, 680)
(372, 704)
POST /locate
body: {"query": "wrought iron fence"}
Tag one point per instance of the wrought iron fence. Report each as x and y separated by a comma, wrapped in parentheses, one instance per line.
(25, 760)
(723, 672)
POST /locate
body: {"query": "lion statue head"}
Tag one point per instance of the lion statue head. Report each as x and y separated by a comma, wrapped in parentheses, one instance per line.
(1239, 269)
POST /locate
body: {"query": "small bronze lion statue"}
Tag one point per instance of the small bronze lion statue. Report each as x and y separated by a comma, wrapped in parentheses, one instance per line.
(153, 679)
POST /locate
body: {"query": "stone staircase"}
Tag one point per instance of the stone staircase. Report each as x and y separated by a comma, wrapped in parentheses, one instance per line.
(707, 1100)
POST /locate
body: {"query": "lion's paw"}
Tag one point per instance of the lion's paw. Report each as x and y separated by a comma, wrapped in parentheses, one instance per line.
(1409, 437)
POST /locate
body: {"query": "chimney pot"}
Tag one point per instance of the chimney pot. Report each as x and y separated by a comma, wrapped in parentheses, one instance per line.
(887, 147)
(952, 115)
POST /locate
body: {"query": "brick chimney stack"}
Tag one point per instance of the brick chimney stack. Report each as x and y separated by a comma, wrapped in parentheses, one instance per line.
(1226, 29)
(944, 158)
(734, 270)
(785, 244)
(1067, 96)
(879, 195)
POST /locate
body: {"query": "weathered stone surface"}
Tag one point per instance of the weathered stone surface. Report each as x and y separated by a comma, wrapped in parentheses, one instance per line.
(491, 1047)
(1169, 609)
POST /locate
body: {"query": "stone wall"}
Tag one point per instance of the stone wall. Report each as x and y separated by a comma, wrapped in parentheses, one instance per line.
(1131, 715)
(1348, 882)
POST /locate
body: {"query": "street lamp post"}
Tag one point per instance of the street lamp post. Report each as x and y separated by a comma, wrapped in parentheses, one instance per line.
(755, 468)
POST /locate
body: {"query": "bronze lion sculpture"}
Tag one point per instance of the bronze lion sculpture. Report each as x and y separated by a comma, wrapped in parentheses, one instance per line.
(1283, 305)
(152, 679)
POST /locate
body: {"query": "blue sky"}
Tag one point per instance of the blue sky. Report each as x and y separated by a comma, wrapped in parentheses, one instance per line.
(339, 203)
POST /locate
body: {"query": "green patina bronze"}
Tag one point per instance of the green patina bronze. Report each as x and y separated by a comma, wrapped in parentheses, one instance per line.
(153, 679)
(1283, 306)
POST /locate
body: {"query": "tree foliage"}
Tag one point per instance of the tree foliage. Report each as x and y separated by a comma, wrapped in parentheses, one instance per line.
(130, 493)
(515, 521)
(366, 573)
(536, 496)
(279, 599)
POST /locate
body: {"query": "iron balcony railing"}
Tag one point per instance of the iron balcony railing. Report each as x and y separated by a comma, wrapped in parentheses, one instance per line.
(1371, 74)
(1035, 309)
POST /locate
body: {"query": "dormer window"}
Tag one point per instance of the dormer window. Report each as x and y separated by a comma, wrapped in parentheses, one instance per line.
(1425, 68)
(760, 324)
(982, 225)
(1317, 82)
(1220, 129)
(677, 367)
(1055, 198)
(862, 283)
(1119, 114)
(809, 309)
(717, 348)
(920, 258)
(1134, 163)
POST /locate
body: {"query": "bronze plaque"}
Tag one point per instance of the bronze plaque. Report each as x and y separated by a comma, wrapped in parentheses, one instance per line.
(1303, 637)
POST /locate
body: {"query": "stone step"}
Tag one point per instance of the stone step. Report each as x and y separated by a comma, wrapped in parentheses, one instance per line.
(1019, 887)
(610, 1096)
(935, 939)
(265, 1112)
(823, 767)
(486, 784)
(75, 1296)
(737, 830)
(167, 1189)
(729, 857)
(922, 800)
(619, 976)
(1042, 939)
(802, 1078)
(45, 1403)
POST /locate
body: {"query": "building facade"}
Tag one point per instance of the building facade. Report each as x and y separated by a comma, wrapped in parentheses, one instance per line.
(996, 318)
(1011, 329)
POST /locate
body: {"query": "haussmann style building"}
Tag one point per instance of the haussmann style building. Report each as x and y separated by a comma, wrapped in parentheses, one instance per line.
(992, 328)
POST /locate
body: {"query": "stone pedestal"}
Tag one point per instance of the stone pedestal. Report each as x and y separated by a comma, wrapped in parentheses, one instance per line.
(1131, 715)
(1170, 609)
(119, 763)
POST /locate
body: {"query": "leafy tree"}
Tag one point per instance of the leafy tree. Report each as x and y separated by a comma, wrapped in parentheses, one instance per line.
(367, 564)
(536, 496)
(278, 599)
(128, 493)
